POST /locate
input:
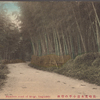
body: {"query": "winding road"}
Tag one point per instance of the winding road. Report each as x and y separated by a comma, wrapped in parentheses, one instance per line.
(24, 82)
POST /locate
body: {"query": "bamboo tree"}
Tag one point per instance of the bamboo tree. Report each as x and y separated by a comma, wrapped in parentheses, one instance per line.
(39, 48)
(96, 14)
(46, 41)
(33, 47)
(97, 29)
(79, 30)
(68, 42)
(79, 46)
(56, 42)
(72, 47)
(98, 36)
(43, 47)
(93, 29)
(65, 45)
(59, 44)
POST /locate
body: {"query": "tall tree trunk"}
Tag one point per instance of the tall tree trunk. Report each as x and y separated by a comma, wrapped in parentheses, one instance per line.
(46, 41)
(39, 48)
(50, 47)
(60, 47)
(79, 31)
(79, 46)
(56, 42)
(33, 47)
(97, 29)
(65, 44)
(43, 47)
(98, 35)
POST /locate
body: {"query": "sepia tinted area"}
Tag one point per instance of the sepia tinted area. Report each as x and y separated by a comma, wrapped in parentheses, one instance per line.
(49, 49)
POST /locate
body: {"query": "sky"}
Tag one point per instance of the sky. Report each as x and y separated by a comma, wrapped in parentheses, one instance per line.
(12, 7)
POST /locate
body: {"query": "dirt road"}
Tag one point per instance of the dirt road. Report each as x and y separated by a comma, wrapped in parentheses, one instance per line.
(28, 83)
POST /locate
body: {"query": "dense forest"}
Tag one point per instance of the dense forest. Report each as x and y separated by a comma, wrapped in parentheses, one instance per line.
(52, 27)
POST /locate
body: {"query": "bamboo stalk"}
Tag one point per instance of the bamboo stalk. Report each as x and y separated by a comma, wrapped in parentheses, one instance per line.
(65, 45)
(60, 48)
(46, 41)
(33, 47)
(97, 32)
(79, 31)
(96, 14)
(56, 43)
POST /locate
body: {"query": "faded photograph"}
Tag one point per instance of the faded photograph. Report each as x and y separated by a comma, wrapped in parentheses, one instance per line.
(49, 50)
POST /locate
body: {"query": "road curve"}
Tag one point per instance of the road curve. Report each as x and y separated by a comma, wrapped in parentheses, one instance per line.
(24, 82)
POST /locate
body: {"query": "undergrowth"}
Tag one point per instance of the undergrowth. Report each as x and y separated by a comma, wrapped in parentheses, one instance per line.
(3, 74)
(84, 67)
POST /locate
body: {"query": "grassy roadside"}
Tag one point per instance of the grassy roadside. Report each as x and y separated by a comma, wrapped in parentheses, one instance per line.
(3, 74)
(84, 67)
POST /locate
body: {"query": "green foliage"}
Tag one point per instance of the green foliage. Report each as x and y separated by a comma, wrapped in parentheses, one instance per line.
(96, 62)
(9, 37)
(84, 67)
(3, 73)
(12, 61)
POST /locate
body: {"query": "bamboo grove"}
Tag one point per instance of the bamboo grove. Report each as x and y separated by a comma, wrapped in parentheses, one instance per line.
(56, 27)
(61, 28)
(10, 39)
